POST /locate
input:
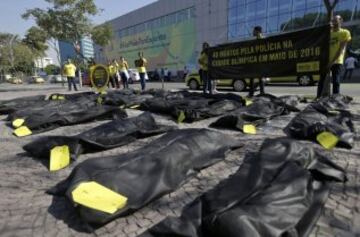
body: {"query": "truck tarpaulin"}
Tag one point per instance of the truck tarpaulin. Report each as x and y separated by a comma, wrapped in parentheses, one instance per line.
(279, 191)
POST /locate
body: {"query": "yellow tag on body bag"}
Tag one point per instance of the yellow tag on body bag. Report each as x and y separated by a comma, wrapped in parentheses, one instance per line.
(98, 197)
(181, 117)
(249, 129)
(327, 139)
(59, 158)
(248, 102)
(18, 123)
(22, 131)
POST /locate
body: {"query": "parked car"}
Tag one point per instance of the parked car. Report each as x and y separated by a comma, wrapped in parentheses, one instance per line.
(36, 80)
(13, 80)
(194, 83)
(153, 75)
(56, 79)
(135, 76)
(304, 80)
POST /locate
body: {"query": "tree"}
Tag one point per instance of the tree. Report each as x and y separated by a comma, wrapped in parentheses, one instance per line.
(52, 69)
(69, 20)
(35, 39)
(15, 55)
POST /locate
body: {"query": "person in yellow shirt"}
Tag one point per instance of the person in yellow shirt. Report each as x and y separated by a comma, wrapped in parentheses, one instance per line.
(112, 72)
(339, 38)
(117, 76)
(69, 71)
(141, 65)
(124, 74)
(204, 67)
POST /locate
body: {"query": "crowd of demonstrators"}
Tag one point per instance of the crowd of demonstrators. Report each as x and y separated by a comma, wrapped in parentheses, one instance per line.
(339, 38)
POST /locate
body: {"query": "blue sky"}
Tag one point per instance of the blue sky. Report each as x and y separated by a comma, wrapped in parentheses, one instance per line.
(11, 11)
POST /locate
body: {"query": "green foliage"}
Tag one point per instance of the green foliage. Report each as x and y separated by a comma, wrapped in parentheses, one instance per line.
(36, 39)
(52, 69)
(102, 34)
(15, 55)
(67, 20)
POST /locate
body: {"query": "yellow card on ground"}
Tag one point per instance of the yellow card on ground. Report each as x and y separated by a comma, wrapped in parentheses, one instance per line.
(22, 131)
(181, 117)
(134, 106)
(98, 197)
(61, 97)
(249, 129)
(327, 139)
(248, 102)
(54, 97)
(59, 158)
(18, 123)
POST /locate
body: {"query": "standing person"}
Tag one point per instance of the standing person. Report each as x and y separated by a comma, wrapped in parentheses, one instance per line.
(339, 38)
(166, 74)
(186, 72)
(117, 76)
(69, 71)
(350, 63)
(112, 74)
(124, 67)
(257, 33)
(204, 69)
(141, 63)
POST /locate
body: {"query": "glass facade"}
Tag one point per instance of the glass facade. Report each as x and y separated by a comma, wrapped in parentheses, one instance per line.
(283, 15)
(171, 19)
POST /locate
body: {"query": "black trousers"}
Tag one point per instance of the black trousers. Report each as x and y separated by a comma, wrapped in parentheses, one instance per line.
(324, 83)
(252, 86)
(71, 81)
(114, 81)
(124, 80)
(348, 72)
(207, 83)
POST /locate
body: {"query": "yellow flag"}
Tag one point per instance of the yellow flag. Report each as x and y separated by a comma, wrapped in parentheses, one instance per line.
(98, 197)
(181, 117)
(249, 129)
(59, 158)
(327, 139)
(18, 123)
(22, 131)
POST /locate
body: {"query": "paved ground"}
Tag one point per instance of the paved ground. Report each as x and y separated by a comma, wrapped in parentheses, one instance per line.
(25, 210)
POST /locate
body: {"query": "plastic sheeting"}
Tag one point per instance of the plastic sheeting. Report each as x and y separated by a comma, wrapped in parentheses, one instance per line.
(106, 136)
(261, 110)
(146, 174)
(280, 191)
(55, 114)
(10, 106)
(190, 107)
(329, 115)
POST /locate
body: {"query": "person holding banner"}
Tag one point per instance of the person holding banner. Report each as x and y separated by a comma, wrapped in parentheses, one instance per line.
(204, 69)
(124, 67)
(257, 32)
(339, 38)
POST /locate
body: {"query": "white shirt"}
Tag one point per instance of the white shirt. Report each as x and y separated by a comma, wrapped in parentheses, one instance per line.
(350, 62)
